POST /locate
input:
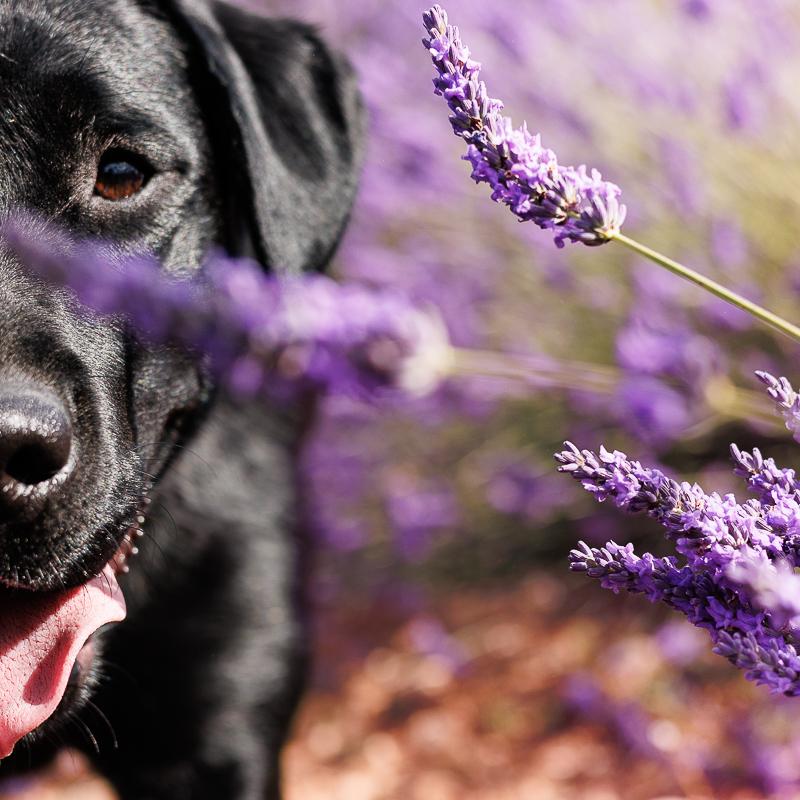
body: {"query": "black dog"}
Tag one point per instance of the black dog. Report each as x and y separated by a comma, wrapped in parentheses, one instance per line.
(171, 126)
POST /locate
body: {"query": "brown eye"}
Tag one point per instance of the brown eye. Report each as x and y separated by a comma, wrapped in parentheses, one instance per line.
(121, 175)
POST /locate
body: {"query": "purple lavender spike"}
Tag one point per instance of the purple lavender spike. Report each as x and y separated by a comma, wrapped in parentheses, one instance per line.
(575, 203)
(734, 569)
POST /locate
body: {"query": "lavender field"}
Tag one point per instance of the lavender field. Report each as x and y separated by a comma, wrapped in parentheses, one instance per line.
(458, 654)
(447, 512)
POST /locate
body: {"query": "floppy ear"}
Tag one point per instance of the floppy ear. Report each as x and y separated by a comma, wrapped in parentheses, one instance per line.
(291, 134)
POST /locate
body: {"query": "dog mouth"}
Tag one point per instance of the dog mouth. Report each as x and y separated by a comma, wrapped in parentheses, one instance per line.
(45, 636)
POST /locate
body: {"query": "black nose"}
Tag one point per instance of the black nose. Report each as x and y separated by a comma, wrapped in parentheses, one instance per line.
(35, 446)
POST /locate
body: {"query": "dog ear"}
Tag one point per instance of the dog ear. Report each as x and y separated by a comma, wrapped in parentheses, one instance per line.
(290, 143)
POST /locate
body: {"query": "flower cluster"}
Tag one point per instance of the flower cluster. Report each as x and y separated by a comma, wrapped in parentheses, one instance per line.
(263, 335)
(733, 574)
(525, 176)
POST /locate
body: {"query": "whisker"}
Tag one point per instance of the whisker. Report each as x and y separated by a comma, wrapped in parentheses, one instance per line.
(108, 582)
(113, 666)
(96, 709)
(147, 474)
(183, 449)
(86, 730)
(151, 541)
(168, 514)
(57, 577)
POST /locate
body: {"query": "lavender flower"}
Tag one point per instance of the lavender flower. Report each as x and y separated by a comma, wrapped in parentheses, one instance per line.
(734, 569)
(627, 720)
(773, 586)
(416, 512)
(263, 335)
(771, 483)
(787, 399)
(654, 411)
(771, 662)
(574, 202)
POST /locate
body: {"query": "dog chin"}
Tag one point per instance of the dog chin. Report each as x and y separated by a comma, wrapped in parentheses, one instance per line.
(49, 645)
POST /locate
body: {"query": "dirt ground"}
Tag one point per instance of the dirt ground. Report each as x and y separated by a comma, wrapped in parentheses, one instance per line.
(469, 698)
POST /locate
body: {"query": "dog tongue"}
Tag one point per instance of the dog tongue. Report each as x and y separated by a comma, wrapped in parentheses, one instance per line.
(40, 638)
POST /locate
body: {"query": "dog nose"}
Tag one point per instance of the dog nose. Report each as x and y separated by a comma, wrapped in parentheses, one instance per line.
(35, 444)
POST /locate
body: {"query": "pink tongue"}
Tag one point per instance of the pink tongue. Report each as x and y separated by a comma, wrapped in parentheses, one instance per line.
(40, 638)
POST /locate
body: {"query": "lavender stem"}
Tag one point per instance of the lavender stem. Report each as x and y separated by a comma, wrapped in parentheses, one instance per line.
(539, 372)
(717, 289)
(728, 400)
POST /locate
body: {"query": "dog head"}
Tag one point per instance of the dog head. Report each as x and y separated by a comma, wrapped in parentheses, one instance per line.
(167, 127)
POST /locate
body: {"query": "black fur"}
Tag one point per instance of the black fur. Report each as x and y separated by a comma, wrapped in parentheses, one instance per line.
(252, 130)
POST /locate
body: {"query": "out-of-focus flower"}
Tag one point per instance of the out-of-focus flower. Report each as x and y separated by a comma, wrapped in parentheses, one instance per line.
(430, 637)
(515, 487)
(773, 586)
(743, 98)
(683, 174)
(417, 511)
(576, 203)
(699, 9)
(626, 720)
(680, 644)
(729, 246)
(659, 339)
(655, 412)
(787, 400)
(668, 367)
(264, 335)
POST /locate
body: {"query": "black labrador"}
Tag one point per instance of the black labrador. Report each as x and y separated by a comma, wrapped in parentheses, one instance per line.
(171, 126)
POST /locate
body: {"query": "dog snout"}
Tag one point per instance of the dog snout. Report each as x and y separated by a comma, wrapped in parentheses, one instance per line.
(35, 448)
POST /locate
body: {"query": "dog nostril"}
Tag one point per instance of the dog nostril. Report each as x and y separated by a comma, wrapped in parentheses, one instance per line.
(33, 464)
(35, 436)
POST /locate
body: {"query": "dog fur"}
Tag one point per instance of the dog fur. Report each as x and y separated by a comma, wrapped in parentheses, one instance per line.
(251, 129)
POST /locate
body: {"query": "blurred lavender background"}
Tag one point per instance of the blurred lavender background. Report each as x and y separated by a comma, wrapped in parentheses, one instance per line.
(691, 106)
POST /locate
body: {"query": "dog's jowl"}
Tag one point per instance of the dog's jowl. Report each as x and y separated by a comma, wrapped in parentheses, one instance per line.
(128, 487)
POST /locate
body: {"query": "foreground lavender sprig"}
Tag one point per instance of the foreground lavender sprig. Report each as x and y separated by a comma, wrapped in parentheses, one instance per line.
(263, 335)
(575, 202)
(278, 336)
(734, 569)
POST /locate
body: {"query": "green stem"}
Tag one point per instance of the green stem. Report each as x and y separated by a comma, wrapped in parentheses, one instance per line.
(723, 398)
(715, 288)
(542, 373)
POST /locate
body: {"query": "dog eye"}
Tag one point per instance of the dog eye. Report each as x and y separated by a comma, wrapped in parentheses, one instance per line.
(121, 175)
